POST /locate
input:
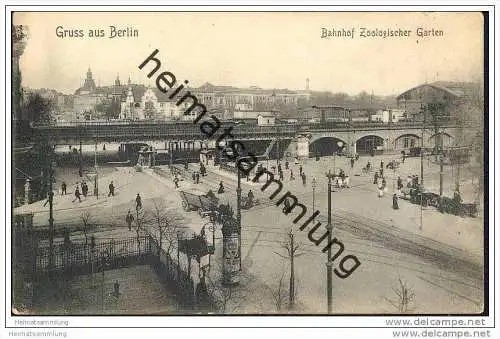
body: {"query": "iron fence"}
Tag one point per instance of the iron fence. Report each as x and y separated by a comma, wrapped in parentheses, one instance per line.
(78, 258)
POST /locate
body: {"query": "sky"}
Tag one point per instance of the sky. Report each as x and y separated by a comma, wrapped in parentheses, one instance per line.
(269, 50)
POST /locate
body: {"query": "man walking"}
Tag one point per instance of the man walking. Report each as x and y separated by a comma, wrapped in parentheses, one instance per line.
(138, 202)
(111, 189)
(77, 195)
(395, 204)
(63, 188)
(176, 181)
(129, 219)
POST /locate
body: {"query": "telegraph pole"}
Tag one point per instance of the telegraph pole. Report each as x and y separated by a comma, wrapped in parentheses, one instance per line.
(329, 264)
(51, 217)
(291, 295)
(422, 170)
(96, 182)
(441, 174)
(238, 211)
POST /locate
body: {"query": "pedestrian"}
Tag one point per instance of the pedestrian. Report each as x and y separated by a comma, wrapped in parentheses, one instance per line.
(80, 172)
(197, 177)
(291, 175)
(84, 189)
(395, 204)
(380, 192)
(111, 189)
(221, 188)
(375, 178)
(77, 195)
(304, 181)
(382, 172)
(279, 167)
(400, 183)
(138, 202)
(346, 182)
(352, 162)
(63, 187)
(129, 219)
(403, 153)
(194, 177)
(286, 208)
(250, 197)
(300, 170)
(381, 164)
(286, 164)
(176, 181)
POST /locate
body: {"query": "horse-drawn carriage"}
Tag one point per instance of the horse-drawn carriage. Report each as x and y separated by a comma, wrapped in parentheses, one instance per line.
(393, 164)
(247, 203)
(416, 196)
(202, 202)
(452, 206)
(443, 204)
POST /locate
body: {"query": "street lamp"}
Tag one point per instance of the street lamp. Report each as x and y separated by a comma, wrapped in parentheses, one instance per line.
(238, 203)
(329, 263)
(96, 182)
(339, 144)
(314, 190)
(211, 228)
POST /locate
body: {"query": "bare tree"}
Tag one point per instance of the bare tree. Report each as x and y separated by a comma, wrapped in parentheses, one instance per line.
(226, 298)
(405, 297)
(167, 225)
(292, 251)
(141, 219)
(88, 225)
(278, 292)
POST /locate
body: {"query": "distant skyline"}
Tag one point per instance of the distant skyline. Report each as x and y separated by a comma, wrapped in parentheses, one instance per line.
(268, 50)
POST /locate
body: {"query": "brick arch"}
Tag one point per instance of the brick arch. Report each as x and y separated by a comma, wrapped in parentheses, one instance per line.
(315, 137)
(325, 145)
(447, 139)
(367, 142)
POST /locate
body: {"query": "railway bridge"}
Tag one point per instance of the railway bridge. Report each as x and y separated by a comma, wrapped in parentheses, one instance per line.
(296, 139)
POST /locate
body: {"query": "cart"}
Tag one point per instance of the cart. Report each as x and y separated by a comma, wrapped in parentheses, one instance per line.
(199, 201)
(392, 165)
(246, 204)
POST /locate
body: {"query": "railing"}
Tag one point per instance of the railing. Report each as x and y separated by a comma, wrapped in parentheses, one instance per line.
(79, 258)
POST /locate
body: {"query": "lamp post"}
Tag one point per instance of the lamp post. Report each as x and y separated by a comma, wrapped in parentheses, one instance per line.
(339, 144)
(238, 211)
(314, 191)
(422, 168)
(329, 264)
(51, 216)
(211, 228)
(96, 182)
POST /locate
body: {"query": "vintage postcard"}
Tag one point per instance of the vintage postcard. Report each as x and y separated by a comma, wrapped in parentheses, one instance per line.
(249, 163)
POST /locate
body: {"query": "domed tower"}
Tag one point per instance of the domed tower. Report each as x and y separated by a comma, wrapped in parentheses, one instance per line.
(89, 84)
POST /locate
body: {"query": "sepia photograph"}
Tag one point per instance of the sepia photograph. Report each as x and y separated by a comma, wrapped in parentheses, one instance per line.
(174, 163)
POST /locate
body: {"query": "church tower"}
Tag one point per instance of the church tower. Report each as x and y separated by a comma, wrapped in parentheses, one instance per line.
(89, 84)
